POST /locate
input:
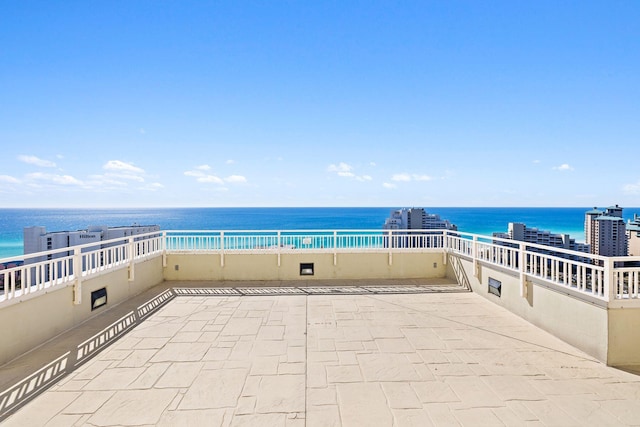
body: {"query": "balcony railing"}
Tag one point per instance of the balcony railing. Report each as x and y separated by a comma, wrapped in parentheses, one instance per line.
(596, 277)
(37, 273)
(310, 240)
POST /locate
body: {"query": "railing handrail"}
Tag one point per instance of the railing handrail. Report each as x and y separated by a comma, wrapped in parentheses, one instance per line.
(302, 231)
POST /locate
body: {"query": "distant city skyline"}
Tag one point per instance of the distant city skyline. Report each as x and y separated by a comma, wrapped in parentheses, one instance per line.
(232, 103)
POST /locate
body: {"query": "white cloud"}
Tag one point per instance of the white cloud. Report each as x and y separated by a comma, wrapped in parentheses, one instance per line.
(230, 162)
(373, 164)
(536, 161)
(118, 165)
(54, 178)
(33, 160)
(632, 188)
(563, 167)
(210, 179)
(152, 187)
(405, 177)
(346, 170)
(341, 169)
(127, 176)
(421, 177)
(236, 178)
(9, 179)
(105, 181)
(118, 175)
(389, 185)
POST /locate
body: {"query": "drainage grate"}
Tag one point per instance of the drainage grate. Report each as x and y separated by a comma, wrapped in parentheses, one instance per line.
(398, 289)
(347, 290)
(319, 290)
(270, 291)
(206, 291)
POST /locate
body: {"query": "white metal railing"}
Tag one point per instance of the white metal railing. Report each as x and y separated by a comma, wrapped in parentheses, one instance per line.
(626, 280)
(583, 273)
(603, 278)
(316, 240)
(37, 273)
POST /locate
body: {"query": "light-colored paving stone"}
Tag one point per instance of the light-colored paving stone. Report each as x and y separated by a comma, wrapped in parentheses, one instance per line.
(387, 367)
(133, 407)
(400, 395)
(282, 394)
(363, 404)
(215, 389)
(337, 360)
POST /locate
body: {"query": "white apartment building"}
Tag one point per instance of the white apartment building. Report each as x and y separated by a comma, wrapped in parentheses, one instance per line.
(605, 231)
(37, 239)
(519, 231)
(416, 219)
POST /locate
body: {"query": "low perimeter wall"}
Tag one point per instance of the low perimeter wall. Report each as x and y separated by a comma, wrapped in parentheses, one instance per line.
(608, 334)
(348, 266)
(624, 337)
(39, 318)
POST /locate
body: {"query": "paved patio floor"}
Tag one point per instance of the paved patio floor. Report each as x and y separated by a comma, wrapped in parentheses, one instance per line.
(337, 360)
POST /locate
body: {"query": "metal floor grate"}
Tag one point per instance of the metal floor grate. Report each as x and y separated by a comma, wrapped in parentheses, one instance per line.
(319, 290)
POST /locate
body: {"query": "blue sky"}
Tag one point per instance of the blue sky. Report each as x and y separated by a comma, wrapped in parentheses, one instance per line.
(327, 103)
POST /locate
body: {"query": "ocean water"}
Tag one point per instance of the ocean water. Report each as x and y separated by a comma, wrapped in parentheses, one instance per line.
(472, 220)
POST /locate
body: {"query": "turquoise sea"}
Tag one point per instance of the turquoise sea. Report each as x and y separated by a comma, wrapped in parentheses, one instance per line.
(471, 220)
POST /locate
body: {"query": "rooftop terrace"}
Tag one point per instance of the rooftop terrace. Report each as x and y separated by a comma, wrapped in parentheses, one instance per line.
(408, 333)
(358, 359)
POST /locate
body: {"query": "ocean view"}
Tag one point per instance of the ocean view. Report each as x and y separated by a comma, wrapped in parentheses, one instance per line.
(472, 220)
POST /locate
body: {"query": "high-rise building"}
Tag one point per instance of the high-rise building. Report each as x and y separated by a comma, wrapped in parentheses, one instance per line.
(519, 231)
(633, 236)
(37, 239)
(605, 231)
(416, 219)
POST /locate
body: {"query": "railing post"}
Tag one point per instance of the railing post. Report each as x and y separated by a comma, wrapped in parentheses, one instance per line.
(610, 282)
(77, 273)
(474, 254)
(222, 249)
(279, 246)
(131, 259)
(390, 232)
(164, 249)
(445, 246)
(522, 268)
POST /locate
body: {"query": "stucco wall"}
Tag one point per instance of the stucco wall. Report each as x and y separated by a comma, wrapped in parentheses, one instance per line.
(39, 318)
(579, 323)
(265, 266)
(624, 336)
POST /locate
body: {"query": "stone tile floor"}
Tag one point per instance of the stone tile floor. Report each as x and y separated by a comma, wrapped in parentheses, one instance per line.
(337, 360)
